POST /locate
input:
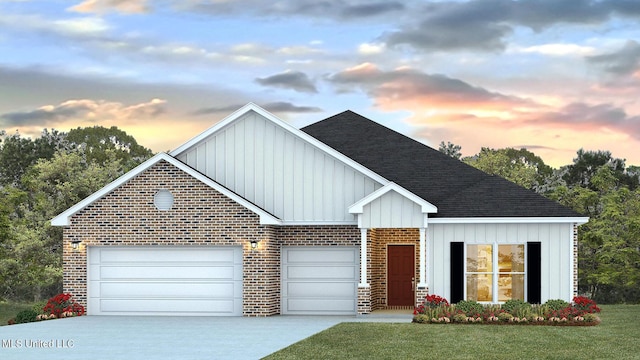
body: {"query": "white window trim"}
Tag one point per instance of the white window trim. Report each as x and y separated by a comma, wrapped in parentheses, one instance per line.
(495, 273)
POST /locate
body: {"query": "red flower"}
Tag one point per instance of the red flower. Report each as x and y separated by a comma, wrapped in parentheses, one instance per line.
(435, 301)
(62, 303)
(585, 305)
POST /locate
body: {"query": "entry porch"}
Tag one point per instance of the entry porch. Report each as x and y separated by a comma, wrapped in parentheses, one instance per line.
(393, 263)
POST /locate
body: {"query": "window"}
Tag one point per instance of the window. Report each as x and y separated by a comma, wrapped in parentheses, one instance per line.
(495, 273)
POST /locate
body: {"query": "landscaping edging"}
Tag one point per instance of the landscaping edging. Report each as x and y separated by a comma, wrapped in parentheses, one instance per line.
(525, 323)
(437, 310)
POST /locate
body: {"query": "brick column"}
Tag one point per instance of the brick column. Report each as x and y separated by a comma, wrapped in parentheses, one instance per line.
(421, 293)
(364, 300)
(261, 268)
(74, 269)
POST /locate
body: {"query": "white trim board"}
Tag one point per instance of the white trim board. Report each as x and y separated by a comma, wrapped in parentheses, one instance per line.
(509, 220)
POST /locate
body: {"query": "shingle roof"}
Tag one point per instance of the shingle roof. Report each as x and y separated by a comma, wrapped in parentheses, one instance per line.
(457, 189)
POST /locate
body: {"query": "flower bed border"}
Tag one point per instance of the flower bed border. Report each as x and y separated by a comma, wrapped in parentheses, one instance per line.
(531, 323)
(437, 310)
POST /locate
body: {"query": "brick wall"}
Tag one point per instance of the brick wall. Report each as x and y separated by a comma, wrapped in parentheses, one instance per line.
(200, 216)
(380, 240)
(319, 235)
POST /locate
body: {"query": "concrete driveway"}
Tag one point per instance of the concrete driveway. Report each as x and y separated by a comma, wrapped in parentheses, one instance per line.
(147, 337)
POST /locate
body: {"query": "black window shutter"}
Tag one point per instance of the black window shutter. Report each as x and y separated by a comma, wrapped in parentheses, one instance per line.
(457, 272)
(534, 279)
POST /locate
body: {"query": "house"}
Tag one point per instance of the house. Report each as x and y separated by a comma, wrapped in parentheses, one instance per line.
(254, 217)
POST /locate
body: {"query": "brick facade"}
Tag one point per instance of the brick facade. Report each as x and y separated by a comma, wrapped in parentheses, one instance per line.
(200, 216)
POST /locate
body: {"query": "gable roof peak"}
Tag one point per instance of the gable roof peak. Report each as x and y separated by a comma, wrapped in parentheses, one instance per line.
(224, 122)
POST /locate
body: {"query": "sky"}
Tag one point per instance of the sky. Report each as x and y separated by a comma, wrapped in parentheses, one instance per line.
(552, 76)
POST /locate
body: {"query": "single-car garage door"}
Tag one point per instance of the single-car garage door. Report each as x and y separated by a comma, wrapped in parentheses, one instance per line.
(174, 281)
(319, 280)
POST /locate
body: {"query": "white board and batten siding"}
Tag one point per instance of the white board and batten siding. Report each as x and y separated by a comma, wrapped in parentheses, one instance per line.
(177, 281)
(319, 280)
(279, 171)
(392, 210)
(555, 239)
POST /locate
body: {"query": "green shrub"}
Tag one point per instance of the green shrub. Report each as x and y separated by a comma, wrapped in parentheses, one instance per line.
(39, 306)
(470, 307)
(514, 305)
(540, 310)
(590, 317)
(556, 304)
(26, 316)
(505, 317)
(421, 319)
(460, 318)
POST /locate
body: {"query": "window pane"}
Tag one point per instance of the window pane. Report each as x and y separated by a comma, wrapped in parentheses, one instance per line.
(510, 258)
(479, 287)
(479, 258)
(510, 287)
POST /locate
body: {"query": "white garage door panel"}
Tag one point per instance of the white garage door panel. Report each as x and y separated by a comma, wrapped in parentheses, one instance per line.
(166, 307)
(150, 255)
(170, 271)
(166, 290)
(322, 290)
(314, 271)
(322, 306)
(159, 280)
(320, 256)
(319, 280)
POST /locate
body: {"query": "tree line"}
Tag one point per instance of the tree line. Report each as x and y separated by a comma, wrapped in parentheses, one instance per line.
(42, 177)
(596, 185)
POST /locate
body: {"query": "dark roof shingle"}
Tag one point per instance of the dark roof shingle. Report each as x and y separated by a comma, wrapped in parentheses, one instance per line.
(457, 189)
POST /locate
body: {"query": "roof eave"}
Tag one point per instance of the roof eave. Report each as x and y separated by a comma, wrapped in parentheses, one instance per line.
(509, 220)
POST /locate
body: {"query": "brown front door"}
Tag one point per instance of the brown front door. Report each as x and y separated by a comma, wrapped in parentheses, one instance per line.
(400, 275)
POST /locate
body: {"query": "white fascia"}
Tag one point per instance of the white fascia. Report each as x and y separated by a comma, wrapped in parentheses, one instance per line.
(510, 220)
(319, 222)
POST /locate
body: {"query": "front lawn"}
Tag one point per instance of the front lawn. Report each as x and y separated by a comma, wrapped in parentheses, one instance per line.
(615, 338)
(9, 310)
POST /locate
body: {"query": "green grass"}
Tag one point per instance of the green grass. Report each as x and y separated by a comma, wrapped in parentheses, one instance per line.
(9, 310)
(615, 338)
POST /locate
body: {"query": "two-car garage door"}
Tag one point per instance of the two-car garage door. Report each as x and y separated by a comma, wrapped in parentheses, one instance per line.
(165, 281)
